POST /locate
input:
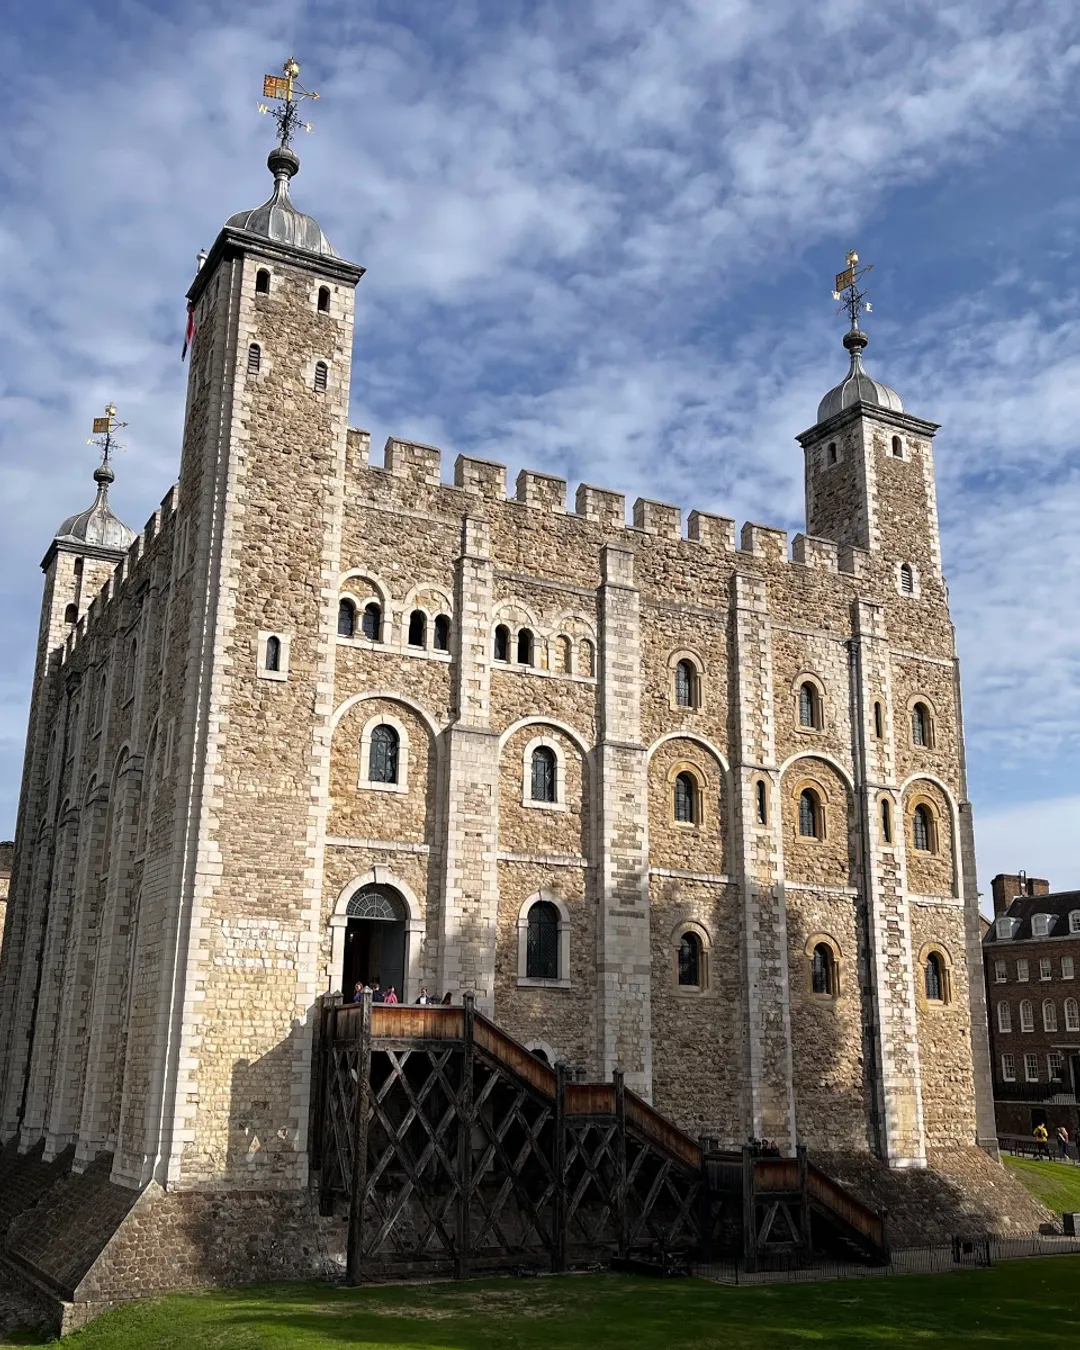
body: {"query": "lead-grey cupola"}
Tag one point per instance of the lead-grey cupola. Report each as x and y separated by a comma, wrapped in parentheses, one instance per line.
(97, 525)
(857, 386)
(278, 218)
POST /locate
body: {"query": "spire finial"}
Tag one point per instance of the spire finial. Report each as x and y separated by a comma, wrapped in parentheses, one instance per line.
(286, 90)
(103, 429)
(853, 300)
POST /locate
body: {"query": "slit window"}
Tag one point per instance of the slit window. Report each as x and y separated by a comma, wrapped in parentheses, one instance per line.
(686, 792)
(320, 377)
(254, 359)
(586, 658)
(886, 823)
(371, 623)
(383, 763)
(897, 448)
(879, 723)
(273, 653)
(262, 282)
(690, 962)
(543, 772)
(442, 633)
(324, 299)
(542, 942)
(502, 643)
(823, 970)
(761, 801)
(418, 628)
(809, 814)
(525, 647)
(832, 453)
(346, 619)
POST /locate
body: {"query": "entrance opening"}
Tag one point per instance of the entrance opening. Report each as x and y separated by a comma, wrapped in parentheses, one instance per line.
(375, 941)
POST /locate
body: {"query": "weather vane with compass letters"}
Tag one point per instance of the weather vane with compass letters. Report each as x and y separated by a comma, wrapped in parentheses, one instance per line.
(847, 291)
(103, 437)
(287, 91)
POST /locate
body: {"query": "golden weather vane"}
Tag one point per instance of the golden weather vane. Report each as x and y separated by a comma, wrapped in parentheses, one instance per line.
(847, 291)
(286, 90)
(102, 436)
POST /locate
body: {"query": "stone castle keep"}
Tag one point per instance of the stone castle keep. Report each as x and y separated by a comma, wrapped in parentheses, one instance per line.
(689, 802)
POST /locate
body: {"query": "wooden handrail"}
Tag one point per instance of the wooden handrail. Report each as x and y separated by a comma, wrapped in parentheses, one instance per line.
(660, 1130)
(512, 1053)
(846, 1206)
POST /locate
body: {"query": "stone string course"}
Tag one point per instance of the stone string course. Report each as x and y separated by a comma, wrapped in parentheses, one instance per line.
(191, 829)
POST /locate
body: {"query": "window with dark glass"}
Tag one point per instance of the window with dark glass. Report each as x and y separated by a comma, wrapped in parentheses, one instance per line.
(542, 942)
(879, 722)
(273, 653)
(920, 725)
(320, 377)
(525, 647)
(690, 960)
(897, 447)
(808, 705)
(808, 814)
(383, 762)
(934, 977)
(823, 970)
(544, 768)
(324, 299)
(762, 798)
(442, 633)
(346, 618)
(832, 452)
(921, 829)
(685, 679)
(254, 358)
(502, 643)
(262, 282)
(886, 823)
(686, 799)
(418, 628)
(371, 623)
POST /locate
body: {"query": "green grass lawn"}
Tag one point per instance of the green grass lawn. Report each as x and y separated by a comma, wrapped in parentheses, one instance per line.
(1019, 1303)
(1056, 1184)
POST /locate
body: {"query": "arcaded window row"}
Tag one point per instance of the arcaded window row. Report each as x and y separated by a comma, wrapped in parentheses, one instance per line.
(1027, 1015)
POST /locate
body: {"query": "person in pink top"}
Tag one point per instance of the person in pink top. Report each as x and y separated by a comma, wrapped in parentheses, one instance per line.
(390, 996)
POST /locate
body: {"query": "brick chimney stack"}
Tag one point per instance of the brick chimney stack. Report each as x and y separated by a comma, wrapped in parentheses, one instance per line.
(1006, 888)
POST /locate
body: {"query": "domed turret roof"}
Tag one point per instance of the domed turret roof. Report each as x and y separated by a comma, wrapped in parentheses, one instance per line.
(857, 386)
(97, 525)
(278, 218)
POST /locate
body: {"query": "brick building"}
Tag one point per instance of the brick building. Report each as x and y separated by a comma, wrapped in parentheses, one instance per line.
(1031, 954)
(689, 803)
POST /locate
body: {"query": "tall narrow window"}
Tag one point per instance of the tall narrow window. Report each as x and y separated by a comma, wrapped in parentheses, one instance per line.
(685, 679)
(1027, 1016)
(809, 814)
(1001, 974)
(920, 724)
(562, 655)
(1004, 1017)
(383, 762)
(1031, 1068)
(371, 623)
(1072, 1015)
(690, 961)
(542, 942)
(1067, 968)
(1008, 1068)
(921, 829)
(1055, 1065)
(1049, 1015)
(544, 768)
(586, 658)
(273, 653)
(897, 448)
(886, 823)
(442, 633)
(686, 799)
(502, 643)
(131, 668)
(320, 377)
(907, 579)
(934, 978)
(823, 970)
(809, 715)
(879, 722)
(761, 798)
(832, 454)
(525, 647)
(418, 628)
(346, 618)
(254, 358)
(324, 299)
(262, 282)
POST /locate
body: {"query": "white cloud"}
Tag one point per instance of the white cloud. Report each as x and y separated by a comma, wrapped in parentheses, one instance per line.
(1039, 838)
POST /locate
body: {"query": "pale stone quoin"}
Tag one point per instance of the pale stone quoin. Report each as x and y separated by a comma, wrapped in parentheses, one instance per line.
(327, 720)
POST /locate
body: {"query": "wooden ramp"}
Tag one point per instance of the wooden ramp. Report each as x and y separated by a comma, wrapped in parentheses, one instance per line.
(456, 1150)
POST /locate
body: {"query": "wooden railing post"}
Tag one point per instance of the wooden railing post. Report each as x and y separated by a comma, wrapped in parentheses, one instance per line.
(618, 1077)
(804, 1200)
(558, 1255)
(463, 1254)
(749, 1209)
(327, 1150)
(355, 1248)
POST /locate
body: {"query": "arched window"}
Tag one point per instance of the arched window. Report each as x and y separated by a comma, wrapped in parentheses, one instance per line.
(920, 724)
(1027, 1016)
(809, 814)
(897, 447)
(320, 377)
(886, 823)
(346, 618)
(922, 829)
(934, 977)
(543, 772)
(685, 685)
(809, 705)
(418, 628)
(71, 613)
(1004, 1017)
(371, 623)
(562, 654)
(832, 453)
(690, 962)
(686, 792)
(502, 643)
(542, 942)
(1049, 1015)
(525, 647)
(273, 653)
(823, 970)
(383, 763)
(442, 633)
(586, 658)
(262, 282)
(324, 299)
(907, 579)
(761, 802)
(879, 722)
(254, 358)
(1072, 1015)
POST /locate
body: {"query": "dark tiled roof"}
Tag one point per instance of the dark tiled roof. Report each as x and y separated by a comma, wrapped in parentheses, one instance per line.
(1059, 906)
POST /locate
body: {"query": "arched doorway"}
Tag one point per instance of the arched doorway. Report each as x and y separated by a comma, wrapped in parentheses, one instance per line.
(374, 940)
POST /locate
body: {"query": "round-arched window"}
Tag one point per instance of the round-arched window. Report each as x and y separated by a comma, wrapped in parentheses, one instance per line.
(823, 970)
(922, 830)
(690, 962)
(542, 942)
(685, 804)
(383, 761)
(934, 977)
(809, 814)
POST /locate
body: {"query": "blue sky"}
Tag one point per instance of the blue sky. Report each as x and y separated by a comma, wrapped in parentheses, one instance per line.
(600, 242)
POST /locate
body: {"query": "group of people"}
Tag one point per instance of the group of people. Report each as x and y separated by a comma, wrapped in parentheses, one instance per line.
(389, 995)
(764, 1148)
(1042, 1138)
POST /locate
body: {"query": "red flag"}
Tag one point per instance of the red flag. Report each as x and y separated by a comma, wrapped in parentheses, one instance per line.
(190, 333)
